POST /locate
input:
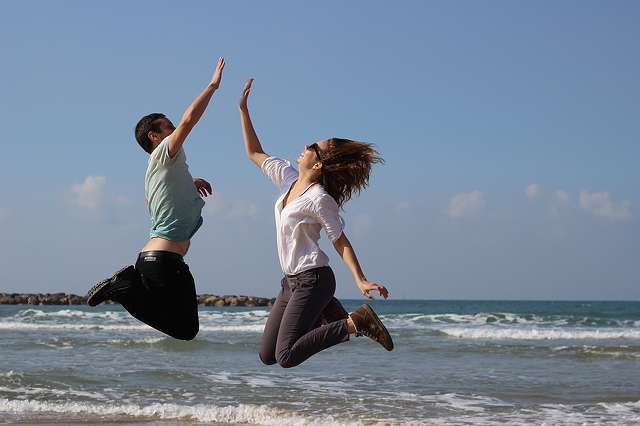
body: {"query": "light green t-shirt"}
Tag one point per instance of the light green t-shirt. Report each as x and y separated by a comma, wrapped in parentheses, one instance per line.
(173, 200)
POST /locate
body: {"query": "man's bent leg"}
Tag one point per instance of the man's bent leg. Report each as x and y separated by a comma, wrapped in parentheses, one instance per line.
(112, 288)
(167, 299)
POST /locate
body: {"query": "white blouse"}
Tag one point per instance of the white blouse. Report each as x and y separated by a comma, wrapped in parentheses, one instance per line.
(298, 224)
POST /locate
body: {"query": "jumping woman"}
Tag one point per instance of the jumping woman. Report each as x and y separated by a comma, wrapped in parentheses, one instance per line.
(329, 173)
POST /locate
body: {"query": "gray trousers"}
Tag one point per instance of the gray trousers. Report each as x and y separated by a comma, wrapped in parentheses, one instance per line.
(294, 330)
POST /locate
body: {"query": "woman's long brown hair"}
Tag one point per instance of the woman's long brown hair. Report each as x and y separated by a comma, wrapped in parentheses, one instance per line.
(346, 166)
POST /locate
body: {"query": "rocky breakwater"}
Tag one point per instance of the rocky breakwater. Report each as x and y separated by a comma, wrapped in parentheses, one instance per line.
(211, 300)
(73, 299)
(41, 299)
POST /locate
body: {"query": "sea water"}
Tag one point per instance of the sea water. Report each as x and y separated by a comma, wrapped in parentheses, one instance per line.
(454, 363)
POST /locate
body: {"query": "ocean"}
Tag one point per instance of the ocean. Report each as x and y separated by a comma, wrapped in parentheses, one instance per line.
(454, 363)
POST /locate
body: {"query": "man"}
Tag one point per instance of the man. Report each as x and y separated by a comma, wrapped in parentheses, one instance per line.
(160, 290)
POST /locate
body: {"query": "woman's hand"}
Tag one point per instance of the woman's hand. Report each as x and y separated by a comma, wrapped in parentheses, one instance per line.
(203, 187)
(242, 105)
(251, 141)
(367, 286)
(345, 250)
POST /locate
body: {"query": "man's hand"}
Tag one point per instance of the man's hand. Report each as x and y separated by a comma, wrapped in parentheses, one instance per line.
(203, 187)
(217, 75)
(194, 112)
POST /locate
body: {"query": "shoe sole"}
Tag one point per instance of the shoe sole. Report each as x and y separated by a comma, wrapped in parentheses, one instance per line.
(379, 323)
(95, 292)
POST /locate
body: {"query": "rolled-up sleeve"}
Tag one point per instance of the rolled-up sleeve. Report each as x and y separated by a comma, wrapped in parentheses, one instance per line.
(328, 214)
(279, 171)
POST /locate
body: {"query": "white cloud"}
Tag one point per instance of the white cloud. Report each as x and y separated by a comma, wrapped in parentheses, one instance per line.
(216, 205)
(89, 194)
(600, 205)
(241, 209)
(361, 225)
(533, 190)
(89, 200)
(465, 204)
(557, 201)
(561, 196)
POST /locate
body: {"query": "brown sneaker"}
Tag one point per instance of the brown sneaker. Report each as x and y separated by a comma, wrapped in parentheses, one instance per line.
(368, 324)
(334, 312)
(109, 288)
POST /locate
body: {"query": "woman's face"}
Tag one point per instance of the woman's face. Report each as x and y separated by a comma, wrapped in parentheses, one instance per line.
(312, 154)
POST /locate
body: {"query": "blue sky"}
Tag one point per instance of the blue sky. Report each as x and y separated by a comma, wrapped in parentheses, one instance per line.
(510, 132)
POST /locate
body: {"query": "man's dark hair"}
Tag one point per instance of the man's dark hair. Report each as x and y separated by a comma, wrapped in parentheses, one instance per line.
(148, 123)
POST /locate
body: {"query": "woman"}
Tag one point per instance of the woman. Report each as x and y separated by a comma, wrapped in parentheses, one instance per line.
(329, 173)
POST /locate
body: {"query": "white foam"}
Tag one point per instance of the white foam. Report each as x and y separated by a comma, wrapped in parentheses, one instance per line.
(446, 409)
(428, 321)
(260, 382)
(22, 392)
(539, 334)
(234, 328)
(71, 320)
(243, 413)
(72, 327)
(628, 410)
(223, 377)
(247, 315)
(145, 341)
(70, 313)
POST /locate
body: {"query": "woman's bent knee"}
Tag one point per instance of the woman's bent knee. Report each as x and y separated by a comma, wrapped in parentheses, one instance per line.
(267, 359)
(285, 360)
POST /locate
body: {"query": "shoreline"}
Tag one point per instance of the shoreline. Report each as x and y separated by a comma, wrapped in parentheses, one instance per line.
(57, 299)
(115, 422)
(128, 422)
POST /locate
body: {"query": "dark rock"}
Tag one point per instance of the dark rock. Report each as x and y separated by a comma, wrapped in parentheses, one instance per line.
(73, 299)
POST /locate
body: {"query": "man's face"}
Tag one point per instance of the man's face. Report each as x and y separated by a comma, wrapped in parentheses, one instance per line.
(166, 128)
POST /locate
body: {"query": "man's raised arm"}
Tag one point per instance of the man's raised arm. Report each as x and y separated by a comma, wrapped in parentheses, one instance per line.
(195, 111)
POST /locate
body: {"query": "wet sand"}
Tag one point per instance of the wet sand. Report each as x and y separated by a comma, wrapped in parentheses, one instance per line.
(43, 422)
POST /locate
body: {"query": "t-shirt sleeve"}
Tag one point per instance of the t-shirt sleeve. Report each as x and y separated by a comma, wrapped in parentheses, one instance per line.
(279, 171)
(328, 214)
(161, 153)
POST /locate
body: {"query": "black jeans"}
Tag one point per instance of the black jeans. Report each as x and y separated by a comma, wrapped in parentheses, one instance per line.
(165, 297)
(294, 330)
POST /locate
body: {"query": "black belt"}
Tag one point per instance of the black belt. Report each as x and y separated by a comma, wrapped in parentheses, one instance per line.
(158, 255)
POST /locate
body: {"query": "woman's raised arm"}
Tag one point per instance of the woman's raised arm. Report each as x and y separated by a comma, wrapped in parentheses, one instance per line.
(251, 141)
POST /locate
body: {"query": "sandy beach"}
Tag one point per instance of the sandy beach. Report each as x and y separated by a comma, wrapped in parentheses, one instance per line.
(102, 422)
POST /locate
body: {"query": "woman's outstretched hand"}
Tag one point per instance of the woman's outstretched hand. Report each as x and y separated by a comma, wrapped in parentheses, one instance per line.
(245, 95)
(367, 286)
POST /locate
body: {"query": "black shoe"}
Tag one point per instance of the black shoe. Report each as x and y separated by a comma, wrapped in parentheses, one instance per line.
(107, 289)
(334, 312)
(368, 324)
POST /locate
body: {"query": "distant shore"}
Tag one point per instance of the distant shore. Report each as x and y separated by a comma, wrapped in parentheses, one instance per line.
(39, 299)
